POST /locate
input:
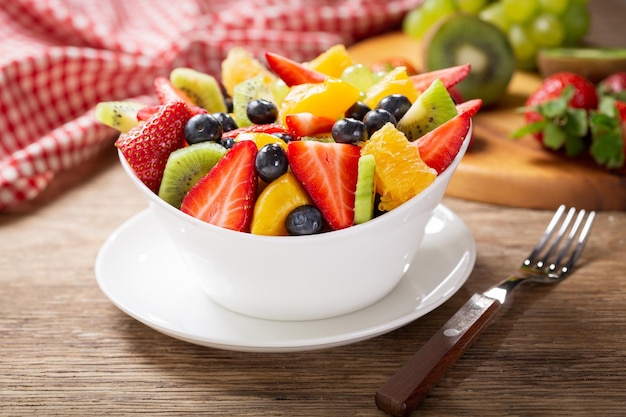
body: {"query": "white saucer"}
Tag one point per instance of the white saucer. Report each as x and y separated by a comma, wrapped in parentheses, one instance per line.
(140, 272)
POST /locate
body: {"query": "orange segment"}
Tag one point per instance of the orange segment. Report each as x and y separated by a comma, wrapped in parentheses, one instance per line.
(329, 99)
(400, 171)
(239, 65)
(395, 81)
(332, 61)
(261, 139)
(275, 202)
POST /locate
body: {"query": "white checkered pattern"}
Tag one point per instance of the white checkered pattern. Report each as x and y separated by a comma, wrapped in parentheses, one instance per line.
(59, 58)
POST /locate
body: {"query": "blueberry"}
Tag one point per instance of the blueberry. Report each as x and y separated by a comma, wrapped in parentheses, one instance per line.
(261, 111)
(396, 104)
(349, 131)
(304, 220)
(202, 128)
(377, 118)
(271, 162)
(285, 137)
(357, 111)
(227, 122)
(228, 142)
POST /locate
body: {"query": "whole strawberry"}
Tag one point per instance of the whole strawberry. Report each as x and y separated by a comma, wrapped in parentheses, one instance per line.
(147, 146)
(556, 112)
(614, 85)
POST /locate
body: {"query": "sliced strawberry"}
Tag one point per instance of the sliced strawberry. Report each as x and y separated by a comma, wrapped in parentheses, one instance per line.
(439, 147)
(308, 124)
(328, 172)
(292, 72)
(147, 111)
(448, 76)
(225, 196)
(266, 128)
(168, 93)
(470, 107)
(147, 146)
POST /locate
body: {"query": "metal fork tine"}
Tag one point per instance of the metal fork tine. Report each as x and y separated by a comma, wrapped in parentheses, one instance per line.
(545, 237)
(570, 238)
(559, 236)
(582, 240)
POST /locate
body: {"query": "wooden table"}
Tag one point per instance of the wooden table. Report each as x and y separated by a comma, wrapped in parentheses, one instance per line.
(66, 350)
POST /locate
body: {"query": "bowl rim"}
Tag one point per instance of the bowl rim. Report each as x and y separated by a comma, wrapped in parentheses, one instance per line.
(333, 234)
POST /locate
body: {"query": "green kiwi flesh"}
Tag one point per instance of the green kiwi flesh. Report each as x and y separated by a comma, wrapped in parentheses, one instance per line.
(246, 91)
(185, 167)
(462, 39)
(431, 109)
(120, 115)
(595, 64)
(203, 89)
(365, 190)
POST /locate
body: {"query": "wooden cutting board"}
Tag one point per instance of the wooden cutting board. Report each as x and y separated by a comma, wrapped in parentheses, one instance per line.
(505, 171)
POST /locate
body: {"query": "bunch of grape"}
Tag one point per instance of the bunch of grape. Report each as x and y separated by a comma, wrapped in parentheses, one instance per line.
(530, 25)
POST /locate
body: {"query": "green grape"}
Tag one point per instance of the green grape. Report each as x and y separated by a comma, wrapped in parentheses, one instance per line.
(520, 11)
(494, 14)
(439, 8)
(378, 75)
(523, 46)
(416, 23)
(546, 30)
(470, 6)
(359, 76)
(553, 6)
(279, 90)
(576, 20)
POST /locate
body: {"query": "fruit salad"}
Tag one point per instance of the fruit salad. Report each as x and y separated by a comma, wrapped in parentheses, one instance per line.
(290, 148)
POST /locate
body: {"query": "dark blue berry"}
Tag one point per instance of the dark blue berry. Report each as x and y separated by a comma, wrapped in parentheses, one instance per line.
(271, 162)
(229, 103)
(349, 131)
(228, 142)
(396, 104)
(202, 128)
(357, 111)
(227, 122)
(285, 137)
(376, 119)
(261, 111)
(304, 220)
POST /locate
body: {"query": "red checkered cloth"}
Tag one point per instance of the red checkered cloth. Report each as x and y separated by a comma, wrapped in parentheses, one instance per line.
(59, 58)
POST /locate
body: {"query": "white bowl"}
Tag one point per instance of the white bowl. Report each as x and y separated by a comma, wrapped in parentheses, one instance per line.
(301, 277)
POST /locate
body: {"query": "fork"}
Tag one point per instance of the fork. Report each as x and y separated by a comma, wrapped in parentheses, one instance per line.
(551, 260)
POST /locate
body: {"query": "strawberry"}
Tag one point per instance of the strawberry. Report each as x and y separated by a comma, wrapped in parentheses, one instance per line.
(225, 196)
(614, 85)
(147, 146)
(328, 172)
(147, 111)
(307, 124)
(168, 93)
(448, 76)
(439, 147)
(266, 128)
(292, 72)
(471, 106)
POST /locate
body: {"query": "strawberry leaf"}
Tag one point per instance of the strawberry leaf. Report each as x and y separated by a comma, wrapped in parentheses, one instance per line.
(607, 146)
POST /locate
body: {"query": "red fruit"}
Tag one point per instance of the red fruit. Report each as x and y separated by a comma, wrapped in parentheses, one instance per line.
(470, 107)
(148, 111)
(440, 146)
(307, 124)
(292, 72)
(225, 196)
(621, 109)
(168, 93)
(585, 96)
(614, 85)
(147, 146)
(448, 76)
(328, 172)
(266, 128)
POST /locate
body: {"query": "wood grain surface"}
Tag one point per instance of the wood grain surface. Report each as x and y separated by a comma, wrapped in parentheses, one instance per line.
(66, 350)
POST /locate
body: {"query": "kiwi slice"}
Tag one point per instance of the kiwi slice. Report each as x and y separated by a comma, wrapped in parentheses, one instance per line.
(203, 89)
(431, 109)
(595, 64)
(365, 190)
(185, 167)
(251, 89)
(461, 39)
(120, 115)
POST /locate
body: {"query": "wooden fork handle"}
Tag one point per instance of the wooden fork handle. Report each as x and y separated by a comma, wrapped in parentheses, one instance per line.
(401, 394)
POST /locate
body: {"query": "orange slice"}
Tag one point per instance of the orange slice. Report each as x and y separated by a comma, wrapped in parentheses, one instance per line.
(239, 65)
(331, 62)
(396, 81)
(275, 202)
(261, 139)
(401, 173)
